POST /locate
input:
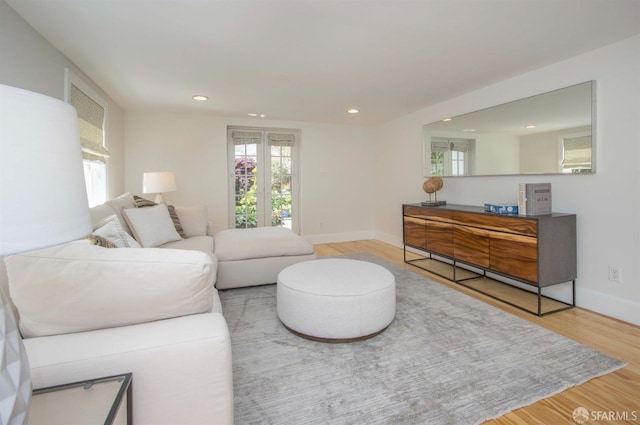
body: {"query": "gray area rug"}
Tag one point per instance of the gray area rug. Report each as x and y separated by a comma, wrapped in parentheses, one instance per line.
(447, 358)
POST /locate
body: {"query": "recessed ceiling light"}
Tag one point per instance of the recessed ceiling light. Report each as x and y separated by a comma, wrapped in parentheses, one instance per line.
(447, 119)
(253, 115)
(200, 97)
(469, 129)
(531, 126)
(262, 115)
(353, 111)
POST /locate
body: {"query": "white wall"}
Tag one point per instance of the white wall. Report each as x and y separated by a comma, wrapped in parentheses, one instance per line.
(336, 168)
(606, 204)
(30, 62)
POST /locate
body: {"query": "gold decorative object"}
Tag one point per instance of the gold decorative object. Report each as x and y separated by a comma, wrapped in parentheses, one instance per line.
(432, 186)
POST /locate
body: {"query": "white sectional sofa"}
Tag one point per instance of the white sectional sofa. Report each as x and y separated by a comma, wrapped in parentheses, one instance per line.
(255, 256)
(87, 311)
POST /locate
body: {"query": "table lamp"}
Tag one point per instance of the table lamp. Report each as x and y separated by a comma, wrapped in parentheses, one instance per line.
(158, 182)
(43, 202)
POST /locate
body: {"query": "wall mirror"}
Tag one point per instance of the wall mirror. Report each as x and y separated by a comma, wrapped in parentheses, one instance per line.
(550, 133)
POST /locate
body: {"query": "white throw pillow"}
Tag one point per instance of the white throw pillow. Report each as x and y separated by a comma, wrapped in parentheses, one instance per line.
(193, 219)
(151, 226)
(110, 229)
(79, 287)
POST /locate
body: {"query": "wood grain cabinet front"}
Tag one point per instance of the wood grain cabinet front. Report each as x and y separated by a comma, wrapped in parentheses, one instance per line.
(471, 245)
(414, 232)
(514, 255)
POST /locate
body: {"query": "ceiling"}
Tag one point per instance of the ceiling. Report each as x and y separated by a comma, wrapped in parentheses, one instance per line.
(311, 60)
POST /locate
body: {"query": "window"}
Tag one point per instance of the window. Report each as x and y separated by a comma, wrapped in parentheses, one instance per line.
(263, 183)
(575, 153)
(450, 157)
(92, 118)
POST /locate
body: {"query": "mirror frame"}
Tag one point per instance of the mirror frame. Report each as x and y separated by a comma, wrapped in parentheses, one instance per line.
(426, 143)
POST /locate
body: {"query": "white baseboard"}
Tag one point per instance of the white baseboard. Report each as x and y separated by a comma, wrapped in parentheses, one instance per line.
(389, 238)
(618, 308)
(338, 237)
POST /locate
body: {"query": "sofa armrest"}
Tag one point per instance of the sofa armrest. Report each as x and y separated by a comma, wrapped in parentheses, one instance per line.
(182, 370)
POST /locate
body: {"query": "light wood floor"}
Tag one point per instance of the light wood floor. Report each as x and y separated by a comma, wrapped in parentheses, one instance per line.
(617, 392)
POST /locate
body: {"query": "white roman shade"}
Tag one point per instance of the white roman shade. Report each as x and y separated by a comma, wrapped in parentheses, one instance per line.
(246, 137)
(454, 145)
(459, 146)
(439, 146)
(281, 139)
(91, 125)
(577, 152)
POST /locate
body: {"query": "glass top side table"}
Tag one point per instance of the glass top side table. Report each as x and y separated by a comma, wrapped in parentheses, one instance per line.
(91, 402)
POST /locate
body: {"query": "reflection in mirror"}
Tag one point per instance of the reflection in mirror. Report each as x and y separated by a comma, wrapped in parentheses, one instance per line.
(551, 133)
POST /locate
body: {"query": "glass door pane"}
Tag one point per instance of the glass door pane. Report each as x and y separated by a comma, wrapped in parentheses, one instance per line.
(246, 185)
(281, 176)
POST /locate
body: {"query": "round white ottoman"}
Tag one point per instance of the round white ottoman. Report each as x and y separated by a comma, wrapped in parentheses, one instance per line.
(336, 300)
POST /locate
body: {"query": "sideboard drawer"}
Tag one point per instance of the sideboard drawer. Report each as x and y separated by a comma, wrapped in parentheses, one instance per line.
(439, 237)
(471, 245)
(514, 255)
(414, 232)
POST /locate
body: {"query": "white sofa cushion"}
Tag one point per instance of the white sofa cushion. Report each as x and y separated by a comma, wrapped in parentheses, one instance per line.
(242, 244)
(78, 287)
(182, 367)
(199, 243)
(193, 219)
(151, 226)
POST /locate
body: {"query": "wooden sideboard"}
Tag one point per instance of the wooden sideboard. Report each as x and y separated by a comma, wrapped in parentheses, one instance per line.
(539, 251)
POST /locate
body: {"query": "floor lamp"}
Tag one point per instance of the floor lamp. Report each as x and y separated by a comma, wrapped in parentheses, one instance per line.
(43, 202)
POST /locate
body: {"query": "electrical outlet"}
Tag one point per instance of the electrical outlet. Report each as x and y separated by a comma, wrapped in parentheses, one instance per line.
(615, 273)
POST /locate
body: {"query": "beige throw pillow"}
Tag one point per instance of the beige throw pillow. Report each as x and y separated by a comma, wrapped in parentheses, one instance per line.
(194, 220)
(110, 229)
(143, 203)
(151, 226)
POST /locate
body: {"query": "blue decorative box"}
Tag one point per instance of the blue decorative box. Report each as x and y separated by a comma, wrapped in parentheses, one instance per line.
(501, 208)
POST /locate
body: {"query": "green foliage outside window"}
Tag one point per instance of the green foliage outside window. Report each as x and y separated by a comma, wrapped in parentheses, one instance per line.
(437, 163)
(246, 208)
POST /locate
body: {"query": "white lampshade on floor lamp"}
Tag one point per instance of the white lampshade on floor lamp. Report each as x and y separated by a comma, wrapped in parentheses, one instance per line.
(158, 182)
(43, 202)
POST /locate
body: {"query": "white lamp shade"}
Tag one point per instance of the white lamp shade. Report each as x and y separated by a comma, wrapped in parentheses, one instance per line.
(158, 182)
(43, 200)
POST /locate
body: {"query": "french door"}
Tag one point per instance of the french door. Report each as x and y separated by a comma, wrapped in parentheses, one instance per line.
(263, 177)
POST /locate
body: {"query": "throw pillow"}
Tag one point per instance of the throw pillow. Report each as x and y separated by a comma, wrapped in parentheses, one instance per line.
(110, 229)
(194, 220)
(100, 241)
(151, 226)
(142, 203)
